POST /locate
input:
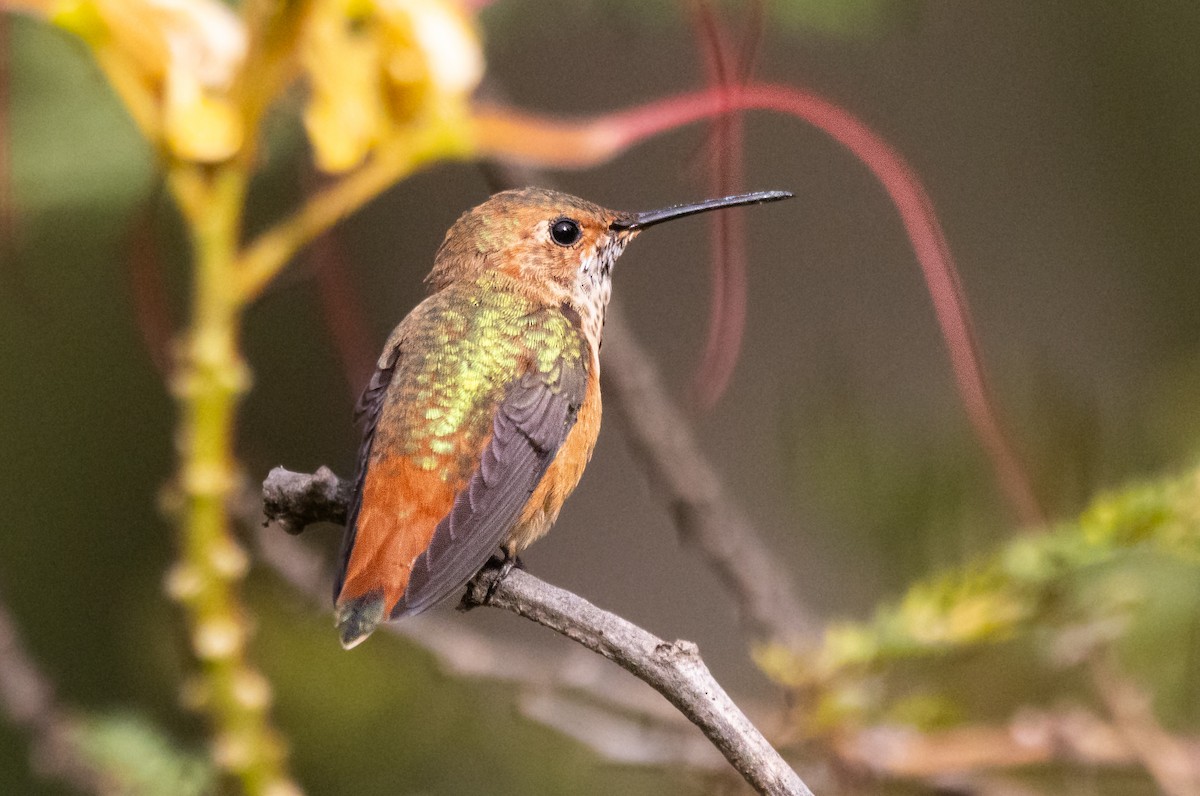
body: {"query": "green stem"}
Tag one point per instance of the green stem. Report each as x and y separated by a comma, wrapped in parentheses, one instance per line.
(210, 380)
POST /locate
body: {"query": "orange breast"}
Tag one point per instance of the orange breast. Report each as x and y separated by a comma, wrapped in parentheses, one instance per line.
(563, 474)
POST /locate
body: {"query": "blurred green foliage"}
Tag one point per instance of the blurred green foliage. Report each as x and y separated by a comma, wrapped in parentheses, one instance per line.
(137, 757)
(96, 159)
(1125, 576)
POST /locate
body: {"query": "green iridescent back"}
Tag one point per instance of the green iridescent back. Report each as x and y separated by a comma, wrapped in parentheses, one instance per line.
(459, 349)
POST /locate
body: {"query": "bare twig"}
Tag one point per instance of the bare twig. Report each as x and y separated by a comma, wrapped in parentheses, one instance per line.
(673, 669)
(1174, 766)
(297, 500)
(573, 691)
(464, 652)
(28, 699)
(626, 720)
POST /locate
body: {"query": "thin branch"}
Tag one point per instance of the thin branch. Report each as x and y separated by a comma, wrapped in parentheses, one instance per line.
(572, 692)
(297, 500)
(1032, 738)
(674, 669)
(28, 699)
(467, 653)
(573, 676)
(1174, 766)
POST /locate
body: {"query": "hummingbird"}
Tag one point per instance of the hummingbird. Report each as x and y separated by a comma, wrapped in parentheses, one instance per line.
(484, 406)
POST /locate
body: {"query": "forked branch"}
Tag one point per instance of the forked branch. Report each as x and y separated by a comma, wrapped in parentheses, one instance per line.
(674, 669)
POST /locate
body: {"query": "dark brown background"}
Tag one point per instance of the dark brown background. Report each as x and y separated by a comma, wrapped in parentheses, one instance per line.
(1058, 141)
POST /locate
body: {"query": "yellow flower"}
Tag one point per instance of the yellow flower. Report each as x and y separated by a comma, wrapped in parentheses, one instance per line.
(449, 46)
(173, 62)
(381, 68)
(379, 72)
(345, 115)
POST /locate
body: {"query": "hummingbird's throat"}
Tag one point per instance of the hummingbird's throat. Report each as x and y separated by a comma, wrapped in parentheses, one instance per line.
(594, 287)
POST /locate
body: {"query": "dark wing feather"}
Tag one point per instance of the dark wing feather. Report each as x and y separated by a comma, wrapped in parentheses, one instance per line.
(531, 424)
(366, 412)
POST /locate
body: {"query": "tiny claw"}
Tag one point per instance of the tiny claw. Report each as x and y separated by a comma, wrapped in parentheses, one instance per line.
(506, 566)
(482, 587)
(508, 561)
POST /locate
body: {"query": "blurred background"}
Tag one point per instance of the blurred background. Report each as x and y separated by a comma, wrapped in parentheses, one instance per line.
(1058, 142)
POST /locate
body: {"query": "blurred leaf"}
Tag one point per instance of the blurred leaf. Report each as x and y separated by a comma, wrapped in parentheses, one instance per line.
(141, 759)
(73, 145)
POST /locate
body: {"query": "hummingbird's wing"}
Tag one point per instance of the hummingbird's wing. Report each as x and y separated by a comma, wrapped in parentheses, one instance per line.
(536, 415)
(366, 412)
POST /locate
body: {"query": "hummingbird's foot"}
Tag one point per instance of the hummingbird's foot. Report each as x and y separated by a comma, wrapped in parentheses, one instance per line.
(483, 586)
(506, 563)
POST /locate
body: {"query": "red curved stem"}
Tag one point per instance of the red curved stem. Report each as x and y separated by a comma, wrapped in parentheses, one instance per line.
(608, 135)
(341, 309)
(727, 302)
(148, 291)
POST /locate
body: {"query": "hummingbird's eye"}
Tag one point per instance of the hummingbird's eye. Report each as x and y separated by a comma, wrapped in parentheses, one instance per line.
(565, 231)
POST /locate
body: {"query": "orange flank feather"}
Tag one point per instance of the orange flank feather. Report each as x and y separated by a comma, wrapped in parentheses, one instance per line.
(562, 475)
(401, 507)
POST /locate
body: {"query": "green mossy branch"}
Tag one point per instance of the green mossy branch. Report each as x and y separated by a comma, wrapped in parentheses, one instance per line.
(208, 383)
(1074, 590)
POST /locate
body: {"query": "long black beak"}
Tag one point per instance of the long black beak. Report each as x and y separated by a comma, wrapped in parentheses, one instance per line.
(648, 218)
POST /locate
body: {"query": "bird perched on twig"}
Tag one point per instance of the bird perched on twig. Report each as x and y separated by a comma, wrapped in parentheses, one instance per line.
(485, 405)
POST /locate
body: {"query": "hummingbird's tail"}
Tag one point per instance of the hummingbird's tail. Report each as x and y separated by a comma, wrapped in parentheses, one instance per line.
(358, 618)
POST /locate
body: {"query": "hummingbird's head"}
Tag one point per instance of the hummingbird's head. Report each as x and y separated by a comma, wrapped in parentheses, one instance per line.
(535, 235)
(557, 246)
